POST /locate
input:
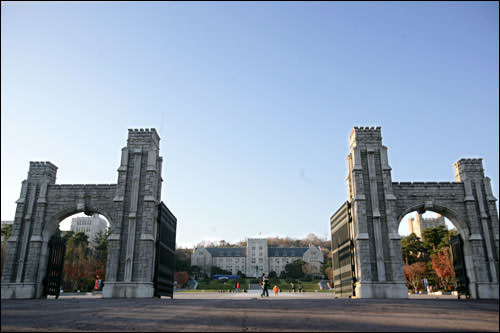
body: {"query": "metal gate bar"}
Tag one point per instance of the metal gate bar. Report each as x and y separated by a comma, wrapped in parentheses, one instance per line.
(165, 252)
(342, 251)
(457, 252)
(57, 249)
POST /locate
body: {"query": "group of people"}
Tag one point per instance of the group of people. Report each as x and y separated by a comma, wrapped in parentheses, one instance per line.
(294, 288)
(264, 282)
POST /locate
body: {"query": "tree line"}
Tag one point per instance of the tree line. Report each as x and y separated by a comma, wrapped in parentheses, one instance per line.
(83, 260)
(84, 263)
(310, 239)
(429, 258)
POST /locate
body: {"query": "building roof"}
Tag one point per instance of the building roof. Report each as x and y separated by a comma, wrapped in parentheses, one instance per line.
(227, 251)
(286, 251)
(271, 251)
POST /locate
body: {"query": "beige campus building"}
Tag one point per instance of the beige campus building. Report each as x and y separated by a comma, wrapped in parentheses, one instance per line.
(90, 225)
(257, 258)
(418, 224)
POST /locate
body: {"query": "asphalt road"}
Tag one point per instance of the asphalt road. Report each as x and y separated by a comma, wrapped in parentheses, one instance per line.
(249, 312)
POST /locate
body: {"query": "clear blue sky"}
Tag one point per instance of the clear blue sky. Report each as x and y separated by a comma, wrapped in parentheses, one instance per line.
(253, 102)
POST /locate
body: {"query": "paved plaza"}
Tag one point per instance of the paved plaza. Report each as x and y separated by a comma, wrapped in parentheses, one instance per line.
(249, 312)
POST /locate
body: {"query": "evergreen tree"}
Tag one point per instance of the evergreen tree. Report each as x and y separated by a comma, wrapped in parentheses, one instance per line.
(294, 269)
(433, 237)
(412, 249)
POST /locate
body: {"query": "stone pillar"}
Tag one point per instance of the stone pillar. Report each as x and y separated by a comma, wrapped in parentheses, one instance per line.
(480, 205)
(20, 276)
(379, 267)
(137, 198)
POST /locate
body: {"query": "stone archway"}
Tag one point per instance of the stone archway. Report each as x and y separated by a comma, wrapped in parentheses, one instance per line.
(131, 207)
(49, 230)
(377, 205)
(462, 229)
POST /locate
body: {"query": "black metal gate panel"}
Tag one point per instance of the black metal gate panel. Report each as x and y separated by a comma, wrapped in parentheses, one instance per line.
(165, 252)
(343, 251)
(53, 279)
(457, 252)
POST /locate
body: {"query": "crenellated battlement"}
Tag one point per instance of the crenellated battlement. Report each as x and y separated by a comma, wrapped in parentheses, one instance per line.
(367, 128)
(369, 134)
(471, 161)
(141, 130)
(42, 171)
(143, 136)
(424, 183)
(469, 168)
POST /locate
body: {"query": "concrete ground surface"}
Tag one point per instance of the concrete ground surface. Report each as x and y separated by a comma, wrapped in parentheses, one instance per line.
(249, 312)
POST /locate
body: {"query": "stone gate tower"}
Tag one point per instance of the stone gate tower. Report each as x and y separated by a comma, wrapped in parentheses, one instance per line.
(379, 267)
(130, 205)
(378, 205)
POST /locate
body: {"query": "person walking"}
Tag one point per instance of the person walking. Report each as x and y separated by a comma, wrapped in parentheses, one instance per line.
(238, 286)
(265, 286)
(97, 284)
(293, 286)
(300, 287)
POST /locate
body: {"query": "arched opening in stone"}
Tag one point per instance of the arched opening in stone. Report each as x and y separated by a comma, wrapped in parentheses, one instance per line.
(404, 225)
(86, 252)
(426, 242)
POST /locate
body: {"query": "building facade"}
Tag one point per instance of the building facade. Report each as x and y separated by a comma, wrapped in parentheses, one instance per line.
(90, 225)
(418, 224)
(257, 258)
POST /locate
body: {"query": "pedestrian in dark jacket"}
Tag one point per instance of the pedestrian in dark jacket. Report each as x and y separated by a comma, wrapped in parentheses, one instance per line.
(265, 286)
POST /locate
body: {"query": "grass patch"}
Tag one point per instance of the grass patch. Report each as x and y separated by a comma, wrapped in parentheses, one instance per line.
(196, 291)
(215, 285)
